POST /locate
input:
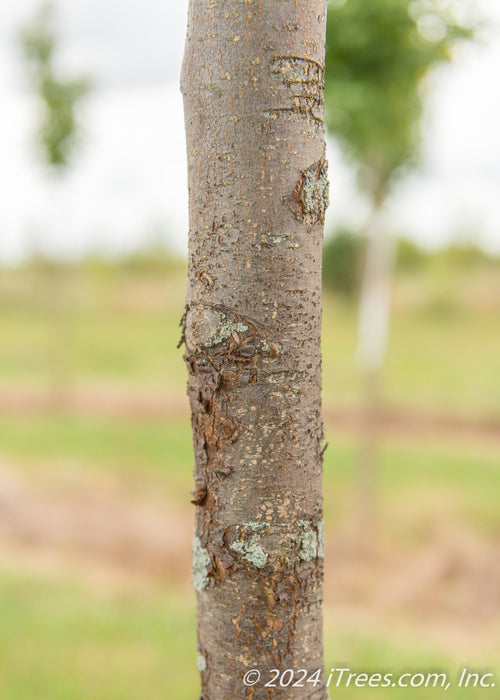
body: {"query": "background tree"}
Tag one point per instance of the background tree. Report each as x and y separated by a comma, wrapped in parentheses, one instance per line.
(58, 135)
(378, 54)
(342, 258)
(58, 130)
(252, 80)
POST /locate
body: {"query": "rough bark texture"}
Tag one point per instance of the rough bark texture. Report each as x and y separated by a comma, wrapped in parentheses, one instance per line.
(252, 81)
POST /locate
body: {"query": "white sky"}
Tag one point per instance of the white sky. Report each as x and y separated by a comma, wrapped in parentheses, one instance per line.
(128, 182)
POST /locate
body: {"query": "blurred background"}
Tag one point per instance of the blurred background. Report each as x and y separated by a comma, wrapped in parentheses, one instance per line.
(95, 440)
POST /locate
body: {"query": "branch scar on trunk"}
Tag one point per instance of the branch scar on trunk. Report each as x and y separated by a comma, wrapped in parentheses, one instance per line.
(310, 198)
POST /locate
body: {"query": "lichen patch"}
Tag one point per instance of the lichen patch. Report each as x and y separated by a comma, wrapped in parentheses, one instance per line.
(311, 195)
(224, 331)
(201, 563)
(308, 541)
(201, 663)
(269, 239)
(250, 549)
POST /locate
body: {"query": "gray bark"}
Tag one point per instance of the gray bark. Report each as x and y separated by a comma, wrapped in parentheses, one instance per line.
(252, 80)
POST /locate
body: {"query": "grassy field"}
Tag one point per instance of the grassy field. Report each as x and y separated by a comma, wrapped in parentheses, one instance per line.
(112, 327)
(64, 637)
(74, 627)
(60, 641)
(466, 477)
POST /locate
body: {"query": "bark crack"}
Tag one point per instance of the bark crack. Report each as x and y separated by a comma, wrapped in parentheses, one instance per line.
(307, 79)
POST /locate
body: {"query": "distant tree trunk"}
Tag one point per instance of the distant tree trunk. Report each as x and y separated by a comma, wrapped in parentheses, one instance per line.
(374, 318)
(252, 80)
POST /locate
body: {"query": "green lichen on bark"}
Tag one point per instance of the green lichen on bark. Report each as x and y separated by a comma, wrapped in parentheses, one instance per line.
(224, 331)
(255, 526)
(270, 240)
(313, 191)
(308, 541)
(201, 562)
(201, 663)
(250, 548)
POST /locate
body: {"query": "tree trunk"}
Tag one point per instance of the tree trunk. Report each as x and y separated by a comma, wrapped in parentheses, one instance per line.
(252, 80)
(374, 318)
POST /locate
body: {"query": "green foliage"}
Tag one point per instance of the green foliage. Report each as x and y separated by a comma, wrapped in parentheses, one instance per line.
(342, 260)
(409, 256)
(466, 255)
(377, 54)
(58, 130)
(152, 259)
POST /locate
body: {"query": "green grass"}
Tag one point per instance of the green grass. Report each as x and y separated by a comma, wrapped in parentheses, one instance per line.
(447, 364)
(451, 364)
(98, 346)
(61, 641)
(417, 484)
(156, 451)
(387, 653)
(429, 475)
(122, 329)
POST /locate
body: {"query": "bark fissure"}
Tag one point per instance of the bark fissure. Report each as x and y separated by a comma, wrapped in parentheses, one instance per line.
(252, 82)
(301, 109)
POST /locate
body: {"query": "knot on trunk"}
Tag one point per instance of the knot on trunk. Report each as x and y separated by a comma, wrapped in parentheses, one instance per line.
(311, 195)
(207, 327)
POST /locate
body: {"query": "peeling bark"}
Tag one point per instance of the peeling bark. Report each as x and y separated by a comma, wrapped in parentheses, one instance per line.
(252, 80)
